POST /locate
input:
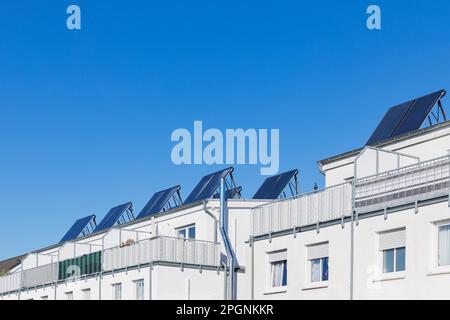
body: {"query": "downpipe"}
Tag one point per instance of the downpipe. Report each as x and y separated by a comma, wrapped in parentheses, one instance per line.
(216, 222)
(231, 257)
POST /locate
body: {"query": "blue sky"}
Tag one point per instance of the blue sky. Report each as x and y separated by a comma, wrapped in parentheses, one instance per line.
(86, 116)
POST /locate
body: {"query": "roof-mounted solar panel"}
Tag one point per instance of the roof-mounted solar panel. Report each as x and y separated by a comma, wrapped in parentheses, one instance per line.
(278, 186)
(162, 201)
(408, 117)
(116, 216)
(210, 184)
(81, 227)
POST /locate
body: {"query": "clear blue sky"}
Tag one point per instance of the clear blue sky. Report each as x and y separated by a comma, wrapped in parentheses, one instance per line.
(86, 116)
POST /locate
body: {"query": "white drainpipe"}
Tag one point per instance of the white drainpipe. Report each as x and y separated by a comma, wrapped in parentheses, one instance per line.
(231, 257)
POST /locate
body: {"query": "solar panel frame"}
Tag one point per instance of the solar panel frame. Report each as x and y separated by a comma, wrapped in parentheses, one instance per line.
(77, 228)
(158, 201)
(113, 216)
(273, 186)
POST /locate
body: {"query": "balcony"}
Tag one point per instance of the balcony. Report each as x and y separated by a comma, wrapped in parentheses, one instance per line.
(160, 249)
(303, 210)
(418, 182)
(409, 184)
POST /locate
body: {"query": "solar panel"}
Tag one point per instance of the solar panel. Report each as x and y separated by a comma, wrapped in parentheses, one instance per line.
(158, 201)
(274, 186)
(117, 215)
(418, 113)
(390, 121)
(81, 227)
(404, 118)
(207, 186)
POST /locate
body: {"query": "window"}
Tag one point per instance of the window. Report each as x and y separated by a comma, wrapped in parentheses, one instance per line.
(117, 291)
(139, 289)
(186, 232)
(393, 249)
(278, 269)
(69, 295)
(444, 245)
(86, 294)
(318, 262)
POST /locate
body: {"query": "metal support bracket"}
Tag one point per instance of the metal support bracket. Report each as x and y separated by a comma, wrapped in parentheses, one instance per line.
(318, 227)
(416, 207)
(385, 213)
(294, 232)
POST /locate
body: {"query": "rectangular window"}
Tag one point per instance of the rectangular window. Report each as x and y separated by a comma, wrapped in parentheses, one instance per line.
(139, 289)
(444, 245)
(86, 294)
(392, 245)
(186, 232)
(69, 295)
(278, 269)
(318, 256)
(117, 291)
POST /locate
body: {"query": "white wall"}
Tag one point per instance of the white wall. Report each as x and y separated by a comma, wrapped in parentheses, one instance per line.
(421, 280)
(430, 145)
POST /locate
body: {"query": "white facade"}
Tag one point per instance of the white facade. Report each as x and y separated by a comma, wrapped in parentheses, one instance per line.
(377, 231)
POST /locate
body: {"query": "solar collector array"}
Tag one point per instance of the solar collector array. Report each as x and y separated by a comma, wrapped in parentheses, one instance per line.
(405, 117)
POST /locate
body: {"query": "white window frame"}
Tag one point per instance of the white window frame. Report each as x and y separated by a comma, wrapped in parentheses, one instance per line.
(69, 295)
(322, 283)
(137, 288)
(85, 291)
(114, 287)
(395, 274)
(395, 261)
(436, 268)
(271, 259)
(186, 230)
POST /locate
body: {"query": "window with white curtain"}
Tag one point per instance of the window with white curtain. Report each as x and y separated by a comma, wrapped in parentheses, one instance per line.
(139, 287)
(392, 245)
(117, 291)
(278, 269)
(318, 262)
(444, 245)
(86, 294)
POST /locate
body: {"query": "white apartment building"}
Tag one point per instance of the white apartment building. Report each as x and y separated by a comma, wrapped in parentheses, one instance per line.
(379, 230)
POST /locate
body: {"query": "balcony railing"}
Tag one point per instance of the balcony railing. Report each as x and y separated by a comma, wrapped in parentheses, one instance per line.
(307, 209)
(167, 249)
(418, 182)
(160, 249)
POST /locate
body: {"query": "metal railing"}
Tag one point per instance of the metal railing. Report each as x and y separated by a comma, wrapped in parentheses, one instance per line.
(10, 283)
(165, 249)
(159, 249)
(418, 182)
(306, 209)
